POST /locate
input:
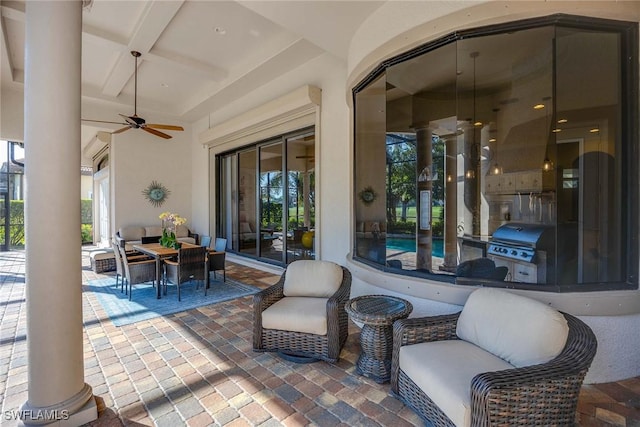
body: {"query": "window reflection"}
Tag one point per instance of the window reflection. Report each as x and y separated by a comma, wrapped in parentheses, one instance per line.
(498, 158)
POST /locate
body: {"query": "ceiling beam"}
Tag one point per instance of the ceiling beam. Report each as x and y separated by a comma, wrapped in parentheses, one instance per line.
(13, 10)
(6, 65)
(156, 17)
(295, 54)
(189, 65)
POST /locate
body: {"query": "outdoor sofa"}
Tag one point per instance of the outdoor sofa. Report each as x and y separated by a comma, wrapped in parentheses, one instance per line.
(132, 235)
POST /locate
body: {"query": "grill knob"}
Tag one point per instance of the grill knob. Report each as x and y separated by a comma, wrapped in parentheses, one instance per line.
(514, 252)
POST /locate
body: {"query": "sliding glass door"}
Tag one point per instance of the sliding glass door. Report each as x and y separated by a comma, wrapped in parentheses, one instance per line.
(266, 199)
(272, 199)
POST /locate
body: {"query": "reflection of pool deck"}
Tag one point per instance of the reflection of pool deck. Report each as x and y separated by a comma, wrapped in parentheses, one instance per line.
(408, 259)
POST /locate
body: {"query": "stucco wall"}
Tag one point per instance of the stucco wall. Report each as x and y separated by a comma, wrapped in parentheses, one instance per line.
(137, 158)
(333, 177)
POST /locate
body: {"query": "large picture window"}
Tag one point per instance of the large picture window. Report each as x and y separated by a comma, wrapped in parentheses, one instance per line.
(503, 156)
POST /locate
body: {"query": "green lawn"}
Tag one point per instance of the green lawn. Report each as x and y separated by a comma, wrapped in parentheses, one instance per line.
(436, 213)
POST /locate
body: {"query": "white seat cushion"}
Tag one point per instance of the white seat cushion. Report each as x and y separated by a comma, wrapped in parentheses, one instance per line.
(298, 314)
(520, 330)
(444, 370)
(310, 278)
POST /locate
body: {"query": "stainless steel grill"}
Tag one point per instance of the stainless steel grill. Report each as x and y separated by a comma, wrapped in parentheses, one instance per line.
(526, 249)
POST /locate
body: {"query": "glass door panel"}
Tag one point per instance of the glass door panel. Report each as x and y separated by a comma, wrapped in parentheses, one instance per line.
(301, 197)
(248, 227)
(228, 207)
(272, 199)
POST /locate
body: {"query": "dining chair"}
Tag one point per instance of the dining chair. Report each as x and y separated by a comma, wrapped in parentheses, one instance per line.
(217, 259)
(221, 244)
(190, 265)
(205, 241)
(137, 270)
(119, 268)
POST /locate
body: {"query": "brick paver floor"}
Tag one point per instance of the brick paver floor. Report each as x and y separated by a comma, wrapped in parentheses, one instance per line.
(197, 368)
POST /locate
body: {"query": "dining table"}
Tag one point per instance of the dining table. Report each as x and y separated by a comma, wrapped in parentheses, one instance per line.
(160, 253)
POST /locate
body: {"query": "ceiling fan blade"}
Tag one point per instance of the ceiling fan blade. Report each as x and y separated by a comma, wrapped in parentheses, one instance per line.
(156, 133)
(167, 127)
(121, 129)
(102, 121)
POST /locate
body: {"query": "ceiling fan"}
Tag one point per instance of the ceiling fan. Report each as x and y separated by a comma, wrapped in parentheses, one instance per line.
(135, 122)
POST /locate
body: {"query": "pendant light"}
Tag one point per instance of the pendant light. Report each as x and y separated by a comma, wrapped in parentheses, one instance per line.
(547, 164)
(470, 173)
(496, 169)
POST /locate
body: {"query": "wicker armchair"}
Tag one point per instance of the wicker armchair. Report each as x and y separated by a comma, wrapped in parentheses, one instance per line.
(289, 339)
(190, 265)
(541, 394)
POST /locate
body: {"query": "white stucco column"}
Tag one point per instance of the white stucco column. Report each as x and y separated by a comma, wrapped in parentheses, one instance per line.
(56, 388)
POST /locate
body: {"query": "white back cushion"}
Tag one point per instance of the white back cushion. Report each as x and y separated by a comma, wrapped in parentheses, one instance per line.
(310, 278)
(520, 330)
(131, 233)
(153, 231)
(182, 231)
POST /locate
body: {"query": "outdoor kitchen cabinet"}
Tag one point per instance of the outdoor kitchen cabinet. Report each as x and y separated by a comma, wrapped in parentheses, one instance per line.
(532, 181)
(523, 272)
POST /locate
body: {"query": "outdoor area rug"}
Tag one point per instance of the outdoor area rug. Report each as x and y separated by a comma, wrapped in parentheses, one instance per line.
(144, 304)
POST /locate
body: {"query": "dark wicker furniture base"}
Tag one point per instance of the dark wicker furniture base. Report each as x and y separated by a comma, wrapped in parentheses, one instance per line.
(544, 394)
(377, 314)
(103, 261)
(324, 347)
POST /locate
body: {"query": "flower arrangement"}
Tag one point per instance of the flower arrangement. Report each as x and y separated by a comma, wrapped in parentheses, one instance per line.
(170, 221)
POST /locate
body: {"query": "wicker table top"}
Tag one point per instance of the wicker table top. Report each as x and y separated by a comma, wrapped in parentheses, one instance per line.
(378, 309)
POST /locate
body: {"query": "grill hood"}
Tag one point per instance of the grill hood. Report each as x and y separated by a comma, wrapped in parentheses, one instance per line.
(538, 236)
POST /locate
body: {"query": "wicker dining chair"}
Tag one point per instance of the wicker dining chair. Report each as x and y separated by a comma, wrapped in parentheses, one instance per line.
(137, 270)
(120, 277)
(190, 265)
(218, 258)
(542, 394)
(303, 315)
(205, 241)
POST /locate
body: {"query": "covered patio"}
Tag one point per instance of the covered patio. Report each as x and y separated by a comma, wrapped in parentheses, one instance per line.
(197, 368)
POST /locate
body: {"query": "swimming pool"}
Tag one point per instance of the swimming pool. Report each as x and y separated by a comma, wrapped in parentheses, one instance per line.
(409, 245)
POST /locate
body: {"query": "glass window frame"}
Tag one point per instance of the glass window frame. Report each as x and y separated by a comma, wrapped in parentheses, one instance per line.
(628, 32)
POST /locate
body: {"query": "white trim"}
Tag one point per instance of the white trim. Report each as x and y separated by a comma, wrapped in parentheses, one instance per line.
(290, 112)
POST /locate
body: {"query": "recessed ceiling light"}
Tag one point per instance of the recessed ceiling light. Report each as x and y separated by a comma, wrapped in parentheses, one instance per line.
(220, 30)
(556, 130)
(478, 124)
(594, 130)
(563, 121)
(538, 106)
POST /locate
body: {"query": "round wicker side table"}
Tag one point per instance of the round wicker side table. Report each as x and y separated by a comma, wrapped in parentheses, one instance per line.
(377, 314)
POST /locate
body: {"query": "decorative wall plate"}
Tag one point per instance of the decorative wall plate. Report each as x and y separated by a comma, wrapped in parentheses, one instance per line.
(368, 195)
(156, 193)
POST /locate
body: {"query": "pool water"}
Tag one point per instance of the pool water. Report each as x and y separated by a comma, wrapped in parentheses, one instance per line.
(409, 245)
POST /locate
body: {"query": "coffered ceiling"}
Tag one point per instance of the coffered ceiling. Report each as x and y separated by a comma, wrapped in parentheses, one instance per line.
(196, 55)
